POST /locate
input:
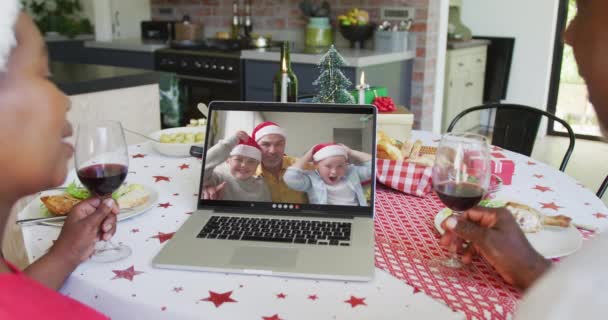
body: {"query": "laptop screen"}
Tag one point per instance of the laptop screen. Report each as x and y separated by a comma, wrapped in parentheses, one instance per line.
(307, 158)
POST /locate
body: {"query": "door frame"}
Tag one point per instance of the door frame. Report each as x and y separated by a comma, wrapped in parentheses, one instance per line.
(556, 68)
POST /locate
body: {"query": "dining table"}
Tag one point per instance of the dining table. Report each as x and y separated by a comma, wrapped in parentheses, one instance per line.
(409, 283)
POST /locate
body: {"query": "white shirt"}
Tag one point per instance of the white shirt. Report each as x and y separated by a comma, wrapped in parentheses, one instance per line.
(576, 288)
(341, 195)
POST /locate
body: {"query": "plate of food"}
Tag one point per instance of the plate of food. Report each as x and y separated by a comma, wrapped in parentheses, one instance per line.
(133, 199)
(551, 236)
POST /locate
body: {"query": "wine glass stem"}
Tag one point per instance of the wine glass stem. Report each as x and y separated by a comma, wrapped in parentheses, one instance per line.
(454, 261)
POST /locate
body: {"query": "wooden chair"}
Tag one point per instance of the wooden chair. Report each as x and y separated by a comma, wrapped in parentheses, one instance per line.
(516, 126)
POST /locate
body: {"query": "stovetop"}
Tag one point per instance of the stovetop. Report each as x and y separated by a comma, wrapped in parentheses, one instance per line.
(209, 57)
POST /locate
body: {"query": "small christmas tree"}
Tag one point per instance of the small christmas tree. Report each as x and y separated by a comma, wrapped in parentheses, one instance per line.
(332, 84)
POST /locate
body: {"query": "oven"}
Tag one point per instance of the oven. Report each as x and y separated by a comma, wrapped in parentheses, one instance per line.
(201, 77)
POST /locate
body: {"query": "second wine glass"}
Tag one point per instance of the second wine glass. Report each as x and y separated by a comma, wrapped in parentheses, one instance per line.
(102, 162)
(461, 174)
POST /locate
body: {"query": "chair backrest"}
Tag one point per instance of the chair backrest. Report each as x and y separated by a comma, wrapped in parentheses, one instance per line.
(516, 127)
(602, 189)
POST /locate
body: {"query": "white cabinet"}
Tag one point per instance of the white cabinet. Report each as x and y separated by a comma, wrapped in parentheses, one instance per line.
(464, 84)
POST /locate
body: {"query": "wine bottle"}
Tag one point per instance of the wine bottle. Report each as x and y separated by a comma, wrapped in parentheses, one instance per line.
(247, 25)
(285, 83)
(235, 27)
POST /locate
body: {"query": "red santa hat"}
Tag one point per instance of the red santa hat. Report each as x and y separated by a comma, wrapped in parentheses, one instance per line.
(266, 128)
(248, 148)
(325, 150)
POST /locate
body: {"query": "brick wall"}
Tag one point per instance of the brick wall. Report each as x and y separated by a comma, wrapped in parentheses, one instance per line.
(285, 15)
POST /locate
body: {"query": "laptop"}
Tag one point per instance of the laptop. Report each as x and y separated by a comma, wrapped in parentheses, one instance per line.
(307, 238)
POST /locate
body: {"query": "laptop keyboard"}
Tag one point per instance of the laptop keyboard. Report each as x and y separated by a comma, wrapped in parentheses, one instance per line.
(277, 230)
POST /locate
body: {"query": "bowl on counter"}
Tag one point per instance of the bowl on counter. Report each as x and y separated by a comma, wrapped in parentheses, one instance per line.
(176, 149)
(357, 35)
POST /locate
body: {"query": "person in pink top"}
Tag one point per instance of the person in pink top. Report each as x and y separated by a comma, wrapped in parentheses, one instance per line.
(33, 158)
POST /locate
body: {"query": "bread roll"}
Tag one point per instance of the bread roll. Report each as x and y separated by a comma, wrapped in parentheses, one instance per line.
(406, 148)
(388, 151)
(416, 149)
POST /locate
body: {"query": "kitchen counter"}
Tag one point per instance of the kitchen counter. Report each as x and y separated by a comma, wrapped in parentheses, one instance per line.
(127, 45)
(74, 78)
(468, 44)
(356, 58)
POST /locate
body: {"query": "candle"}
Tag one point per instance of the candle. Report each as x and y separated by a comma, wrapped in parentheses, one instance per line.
(362, 87)
(284, 81)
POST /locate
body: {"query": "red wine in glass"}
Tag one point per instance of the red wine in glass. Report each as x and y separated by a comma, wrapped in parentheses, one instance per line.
(461, 175)
(102, 162)
(459, 196)
(103, 179)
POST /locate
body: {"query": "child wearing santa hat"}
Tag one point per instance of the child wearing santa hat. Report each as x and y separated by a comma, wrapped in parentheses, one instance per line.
(232, 164)
(335, 181)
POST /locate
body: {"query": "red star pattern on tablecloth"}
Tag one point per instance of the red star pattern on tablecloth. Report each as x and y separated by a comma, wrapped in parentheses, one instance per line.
(551, 205)
(178, 289)
(189, 213)
(139, 155)
(165, 205)
(495, 148)
(162, 237)
(539, 176)
(128, 273)
(530, 163)
(354, 301)
(163, 308)
(219, 298)
(176, 194)
(281, 296)
(274, 317)
(161, 178)
(135, 230)
(600, 215)
(184, 166)
(542, 189)
(313, 297)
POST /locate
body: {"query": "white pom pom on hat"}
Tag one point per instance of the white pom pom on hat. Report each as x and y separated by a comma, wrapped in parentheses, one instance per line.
(9, 12)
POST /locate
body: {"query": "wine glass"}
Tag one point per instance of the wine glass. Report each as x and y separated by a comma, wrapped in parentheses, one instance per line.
(102, 163)
(461, 175)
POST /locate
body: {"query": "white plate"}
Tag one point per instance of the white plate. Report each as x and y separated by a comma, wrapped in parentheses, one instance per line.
(34, 208)
(176, 149)
(551, 242)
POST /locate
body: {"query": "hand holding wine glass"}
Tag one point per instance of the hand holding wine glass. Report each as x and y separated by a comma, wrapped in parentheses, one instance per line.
(461, 174)
(102, 163)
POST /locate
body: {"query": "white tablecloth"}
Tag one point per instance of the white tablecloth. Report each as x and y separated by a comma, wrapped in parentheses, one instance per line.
(132, 289)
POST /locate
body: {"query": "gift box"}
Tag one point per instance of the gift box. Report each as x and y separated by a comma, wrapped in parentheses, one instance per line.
(500, 165)
(503, 167)
(397, 124)
(370, 94)
(404, 176)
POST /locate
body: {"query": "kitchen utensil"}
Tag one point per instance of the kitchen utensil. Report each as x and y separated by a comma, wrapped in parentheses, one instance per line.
(186, 30)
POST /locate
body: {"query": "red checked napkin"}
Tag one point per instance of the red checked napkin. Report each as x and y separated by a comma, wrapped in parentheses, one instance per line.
(404, 176)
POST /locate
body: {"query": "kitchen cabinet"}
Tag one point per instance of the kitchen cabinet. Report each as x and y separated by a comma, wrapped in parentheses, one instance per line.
(464, 84)
(75, 51)
(396, 76)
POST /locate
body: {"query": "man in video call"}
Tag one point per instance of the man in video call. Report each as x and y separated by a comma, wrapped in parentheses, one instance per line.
(272, 140)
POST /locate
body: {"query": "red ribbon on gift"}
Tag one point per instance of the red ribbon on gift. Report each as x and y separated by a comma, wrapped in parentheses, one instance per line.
(384, 104)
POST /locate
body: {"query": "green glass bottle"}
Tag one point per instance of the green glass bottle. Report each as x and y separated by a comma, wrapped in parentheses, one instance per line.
(285, 82)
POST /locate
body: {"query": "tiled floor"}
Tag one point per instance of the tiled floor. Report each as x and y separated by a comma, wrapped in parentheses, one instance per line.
(588, 164)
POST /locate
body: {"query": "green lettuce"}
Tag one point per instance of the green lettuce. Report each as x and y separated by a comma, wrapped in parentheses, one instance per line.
(82, 193)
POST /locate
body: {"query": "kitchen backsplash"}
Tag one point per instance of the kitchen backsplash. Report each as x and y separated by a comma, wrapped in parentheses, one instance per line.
(285, 16)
